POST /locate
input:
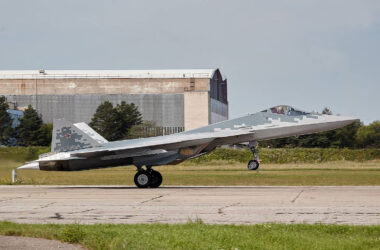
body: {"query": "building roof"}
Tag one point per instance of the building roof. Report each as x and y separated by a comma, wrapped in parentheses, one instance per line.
(59, 74)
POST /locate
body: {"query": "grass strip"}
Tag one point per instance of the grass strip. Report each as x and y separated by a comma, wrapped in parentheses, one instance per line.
(275, 155)
(196, 235)
(220, 173)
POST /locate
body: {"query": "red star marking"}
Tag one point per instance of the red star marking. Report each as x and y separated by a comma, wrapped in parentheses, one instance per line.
(68, 136)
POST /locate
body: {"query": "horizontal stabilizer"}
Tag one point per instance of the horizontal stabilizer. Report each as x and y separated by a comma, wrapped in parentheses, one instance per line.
(90, 132)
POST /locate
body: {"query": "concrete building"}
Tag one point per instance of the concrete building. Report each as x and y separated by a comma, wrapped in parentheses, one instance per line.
(179, 99)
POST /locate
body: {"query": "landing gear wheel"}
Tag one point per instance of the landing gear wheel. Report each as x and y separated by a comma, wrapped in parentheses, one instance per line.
(156, 179)
(143, 179)
(253, 165)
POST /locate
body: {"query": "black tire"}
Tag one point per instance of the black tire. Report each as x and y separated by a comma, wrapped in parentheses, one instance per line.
(253, 165)
(143, 179)
(156, 179)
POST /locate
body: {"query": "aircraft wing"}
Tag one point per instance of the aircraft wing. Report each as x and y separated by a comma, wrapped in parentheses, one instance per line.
(150, 145)
(145, 146)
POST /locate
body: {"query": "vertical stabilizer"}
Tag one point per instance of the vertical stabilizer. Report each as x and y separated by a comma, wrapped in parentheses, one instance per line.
(90, 132)
(67, 137)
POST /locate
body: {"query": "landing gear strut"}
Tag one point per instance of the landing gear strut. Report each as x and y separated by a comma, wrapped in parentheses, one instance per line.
(254, 163)
(147, 178)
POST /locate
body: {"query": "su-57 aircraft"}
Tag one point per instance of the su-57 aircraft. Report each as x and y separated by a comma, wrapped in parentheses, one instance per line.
(78, 147)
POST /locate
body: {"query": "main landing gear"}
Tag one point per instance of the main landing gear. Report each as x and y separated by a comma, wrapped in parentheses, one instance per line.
(148, 178)
(254, 163)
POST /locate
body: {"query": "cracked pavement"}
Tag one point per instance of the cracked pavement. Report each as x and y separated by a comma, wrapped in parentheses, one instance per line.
(238, 205)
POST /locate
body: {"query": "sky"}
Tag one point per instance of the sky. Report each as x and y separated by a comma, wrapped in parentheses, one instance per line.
(304, 53)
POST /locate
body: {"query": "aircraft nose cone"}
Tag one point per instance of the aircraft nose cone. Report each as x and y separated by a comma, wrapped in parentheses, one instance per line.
(340, 121)
(347, 119)
(31, 165)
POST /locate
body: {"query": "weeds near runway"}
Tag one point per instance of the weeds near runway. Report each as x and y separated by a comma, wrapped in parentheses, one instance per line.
(218, 174)
(222, 167)
(202, 236)
(72, 233)
(273, 155)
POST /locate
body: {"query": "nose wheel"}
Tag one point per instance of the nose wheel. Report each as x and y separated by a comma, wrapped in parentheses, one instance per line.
(254, 163)
(148, 178)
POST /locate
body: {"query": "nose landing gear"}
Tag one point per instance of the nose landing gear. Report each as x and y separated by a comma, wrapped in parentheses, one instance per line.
(254, 163)
(147, 178)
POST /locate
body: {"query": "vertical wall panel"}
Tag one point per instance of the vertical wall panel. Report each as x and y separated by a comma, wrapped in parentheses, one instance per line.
(165, 110)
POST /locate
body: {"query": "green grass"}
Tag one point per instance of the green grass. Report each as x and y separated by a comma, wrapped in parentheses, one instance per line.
(217, 173)
(22, 154)
(275, 155)
(202, 236)
(222, 167)
(292, 155)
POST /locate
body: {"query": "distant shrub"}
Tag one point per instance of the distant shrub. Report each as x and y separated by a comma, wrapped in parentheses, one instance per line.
(22, 154)
(273, 155)
(291, 155)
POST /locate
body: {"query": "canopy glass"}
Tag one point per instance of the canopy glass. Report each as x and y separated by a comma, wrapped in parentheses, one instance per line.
(285, 110)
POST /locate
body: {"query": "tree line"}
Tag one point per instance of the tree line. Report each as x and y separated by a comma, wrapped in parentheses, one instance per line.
(355, 135)
(113, 123)
(124, 121)
(30, 132)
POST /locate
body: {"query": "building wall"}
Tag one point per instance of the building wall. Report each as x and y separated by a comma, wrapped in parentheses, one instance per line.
(219, 111)
(169, 102)
(165, 109)
(101, 86)
(196, 109)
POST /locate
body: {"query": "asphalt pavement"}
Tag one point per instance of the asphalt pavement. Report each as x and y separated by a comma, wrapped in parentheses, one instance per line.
(238, 205)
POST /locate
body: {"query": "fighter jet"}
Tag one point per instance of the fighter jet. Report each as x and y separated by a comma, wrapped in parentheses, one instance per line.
(78, 147)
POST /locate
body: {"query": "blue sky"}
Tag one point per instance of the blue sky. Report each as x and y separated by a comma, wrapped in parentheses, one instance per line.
(305, 53)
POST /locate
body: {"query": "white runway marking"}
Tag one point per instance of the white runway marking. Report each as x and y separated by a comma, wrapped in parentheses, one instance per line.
(239, 205)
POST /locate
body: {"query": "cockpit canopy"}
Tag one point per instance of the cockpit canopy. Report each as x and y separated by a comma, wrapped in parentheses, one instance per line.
(285, 110)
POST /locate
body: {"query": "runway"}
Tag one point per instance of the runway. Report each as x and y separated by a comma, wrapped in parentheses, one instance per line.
(238, 205)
